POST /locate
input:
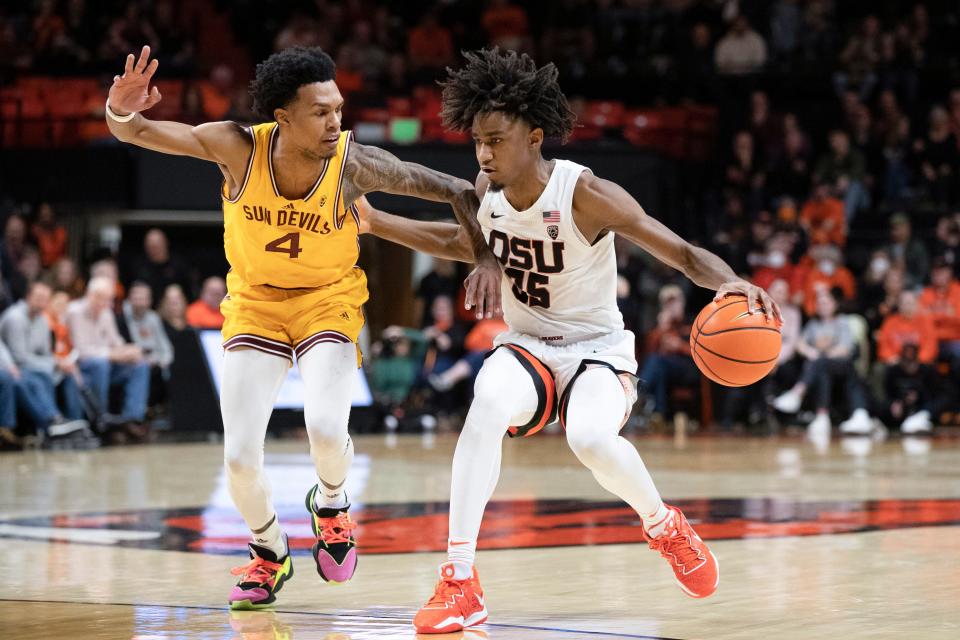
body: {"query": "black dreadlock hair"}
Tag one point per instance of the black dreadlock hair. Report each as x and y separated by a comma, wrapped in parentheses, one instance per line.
(280, 76)
(508, 82)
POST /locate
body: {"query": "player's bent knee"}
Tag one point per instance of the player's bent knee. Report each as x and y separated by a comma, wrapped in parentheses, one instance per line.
(328, 434)
(589, 444)
(243, 466)
(501, 379)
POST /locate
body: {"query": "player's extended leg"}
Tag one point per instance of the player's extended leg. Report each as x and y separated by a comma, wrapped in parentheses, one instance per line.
(329, 372)
(594, 415)
(504, 394)
(251, 381)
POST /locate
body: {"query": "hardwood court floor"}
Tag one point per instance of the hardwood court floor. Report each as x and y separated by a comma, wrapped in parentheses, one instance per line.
(859, 541)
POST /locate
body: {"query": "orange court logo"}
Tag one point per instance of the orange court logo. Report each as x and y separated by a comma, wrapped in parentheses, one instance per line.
(415, 527)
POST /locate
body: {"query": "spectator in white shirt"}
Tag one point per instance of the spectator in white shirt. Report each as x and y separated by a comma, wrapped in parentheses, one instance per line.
(741, 51)
(104, 358)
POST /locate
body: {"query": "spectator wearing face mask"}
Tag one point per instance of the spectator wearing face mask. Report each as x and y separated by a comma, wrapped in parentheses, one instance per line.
(775, 265)
(826, 274)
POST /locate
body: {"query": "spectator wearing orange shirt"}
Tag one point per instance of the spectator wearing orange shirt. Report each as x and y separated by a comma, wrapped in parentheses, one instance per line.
(216, 92)
(942, 301)
(429, 44)
(505, 24)
(57, 318)
(827, 274)
(51, 238)
(907, 326)
(823, 219)
(205, 312)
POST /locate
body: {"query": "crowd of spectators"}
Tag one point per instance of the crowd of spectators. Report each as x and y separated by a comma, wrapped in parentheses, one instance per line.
(834, 183)
(81, 37)
(858, 231)
(854, 224)
(92, 355)
(652, 52)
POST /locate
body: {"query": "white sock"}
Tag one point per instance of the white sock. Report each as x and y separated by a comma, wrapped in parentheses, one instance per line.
(271, 537)
(461, 552)
(326, 498)
(655, 523)
(332, 494)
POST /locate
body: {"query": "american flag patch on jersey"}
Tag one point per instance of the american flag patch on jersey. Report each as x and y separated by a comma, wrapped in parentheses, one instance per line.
(551, 217)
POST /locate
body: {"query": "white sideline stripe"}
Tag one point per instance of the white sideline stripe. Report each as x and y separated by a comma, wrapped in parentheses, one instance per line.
(95, 536)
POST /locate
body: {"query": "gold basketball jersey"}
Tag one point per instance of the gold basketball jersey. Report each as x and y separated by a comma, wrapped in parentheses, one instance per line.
(268, 239)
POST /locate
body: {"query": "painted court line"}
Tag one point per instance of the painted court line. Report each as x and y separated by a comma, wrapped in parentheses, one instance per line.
(599, 634)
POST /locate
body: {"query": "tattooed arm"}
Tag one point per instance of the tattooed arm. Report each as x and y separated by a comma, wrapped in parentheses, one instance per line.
(439, 239)
(373, 169)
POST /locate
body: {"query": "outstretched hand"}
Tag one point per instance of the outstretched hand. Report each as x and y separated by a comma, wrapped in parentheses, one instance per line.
(483, 289)
(131, 92)
(754, 295)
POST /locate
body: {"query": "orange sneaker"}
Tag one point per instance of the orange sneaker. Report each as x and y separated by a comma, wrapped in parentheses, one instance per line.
(455, 605)
(694, 566)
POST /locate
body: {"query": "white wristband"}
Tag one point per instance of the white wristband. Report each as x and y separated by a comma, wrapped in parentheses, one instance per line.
(114, 116)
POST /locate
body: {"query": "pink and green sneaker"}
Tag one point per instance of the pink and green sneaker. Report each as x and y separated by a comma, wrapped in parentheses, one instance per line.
(335, 550)
(260, 579)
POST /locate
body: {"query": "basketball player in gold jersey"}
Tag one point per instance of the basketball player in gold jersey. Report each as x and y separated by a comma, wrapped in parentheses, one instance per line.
(294, 290)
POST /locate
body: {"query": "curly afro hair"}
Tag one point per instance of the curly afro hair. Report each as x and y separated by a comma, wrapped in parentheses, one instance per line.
(507, 82)
(283, 73)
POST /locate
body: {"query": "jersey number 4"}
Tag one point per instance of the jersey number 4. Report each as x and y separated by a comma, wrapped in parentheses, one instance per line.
(293, 250)
(530, 287)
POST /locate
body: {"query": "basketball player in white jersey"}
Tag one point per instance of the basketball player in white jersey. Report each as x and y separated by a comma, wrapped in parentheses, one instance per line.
(551, 223)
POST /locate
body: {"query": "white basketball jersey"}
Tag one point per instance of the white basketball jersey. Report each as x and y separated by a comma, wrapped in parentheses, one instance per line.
(556, 286)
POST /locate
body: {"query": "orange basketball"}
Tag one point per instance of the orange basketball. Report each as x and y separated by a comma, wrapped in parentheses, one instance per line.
(731, 346)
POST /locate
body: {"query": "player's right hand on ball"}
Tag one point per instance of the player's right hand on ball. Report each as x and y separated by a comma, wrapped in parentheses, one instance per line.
(131, 92)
